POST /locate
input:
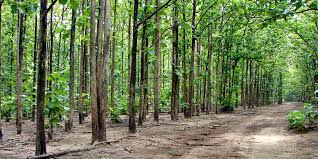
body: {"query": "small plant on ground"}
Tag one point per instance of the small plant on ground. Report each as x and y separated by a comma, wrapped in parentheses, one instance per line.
(304, 118)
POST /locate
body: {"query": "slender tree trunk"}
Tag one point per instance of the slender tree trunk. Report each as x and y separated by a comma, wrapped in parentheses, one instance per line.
(19, 73)
(280, 88)
(59, 45)
(198, 84)
(175, 65)
(81, 70)
(143, 65)
(250, 98)
(188, 111)
(93, 73)
(132, 87)
(208, 70)
(122, 61)
(11, 58)
(156, 65)
(242, 85)
(246, 84)
(50, 63)
(40, 132)
(69, 123)
(113, 58)
(184, 56)
(34, 66)
(217, 72)
(129, 45)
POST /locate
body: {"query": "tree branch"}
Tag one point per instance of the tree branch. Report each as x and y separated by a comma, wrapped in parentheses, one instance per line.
(201, 17)
(51, 6)
(309, 9)
(214, 21)
(155, 12)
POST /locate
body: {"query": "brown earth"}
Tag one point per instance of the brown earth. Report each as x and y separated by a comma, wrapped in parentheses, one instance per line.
(260, 133)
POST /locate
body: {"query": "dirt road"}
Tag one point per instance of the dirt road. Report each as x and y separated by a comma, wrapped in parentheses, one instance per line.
(260, 133)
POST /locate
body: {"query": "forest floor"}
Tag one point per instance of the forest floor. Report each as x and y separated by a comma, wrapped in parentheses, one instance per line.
(259, 133)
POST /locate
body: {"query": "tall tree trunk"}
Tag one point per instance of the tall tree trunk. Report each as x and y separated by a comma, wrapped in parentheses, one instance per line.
(129, 45)
(132, 87)
(69, 123)
(156, 69)
(175, 65)
(246, 83)
(40, 132)
(81, 70)
(19, 73)
(188, 111)
(143, 65)
(198, 84)
(122, 57)
(102, 70)
(11, 59)
(242, 85)
(34, 65)
(217, 72)
(113, 58)
(59, 45)
(49, 83)
(250, 98)
(280, 88)
(93, 73)
(208, 70)
(184, 55)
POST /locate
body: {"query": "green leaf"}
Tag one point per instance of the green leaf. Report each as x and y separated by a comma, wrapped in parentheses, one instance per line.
(74, 4)
(63, 2)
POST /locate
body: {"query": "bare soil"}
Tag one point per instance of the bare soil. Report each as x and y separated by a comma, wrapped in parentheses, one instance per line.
(259, 133)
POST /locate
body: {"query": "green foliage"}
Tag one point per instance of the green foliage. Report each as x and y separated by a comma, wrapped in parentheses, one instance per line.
(8, 107)
(57, 99)
(114, 115)
(303, 118)
(227, 105)
(296, 120)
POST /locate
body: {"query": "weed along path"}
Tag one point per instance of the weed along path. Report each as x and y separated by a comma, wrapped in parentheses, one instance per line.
(259, 133)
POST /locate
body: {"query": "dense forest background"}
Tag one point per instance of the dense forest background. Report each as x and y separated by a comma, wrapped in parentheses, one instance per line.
(111, 58)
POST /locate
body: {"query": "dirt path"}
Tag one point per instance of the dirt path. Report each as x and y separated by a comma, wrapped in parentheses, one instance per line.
(260, 133)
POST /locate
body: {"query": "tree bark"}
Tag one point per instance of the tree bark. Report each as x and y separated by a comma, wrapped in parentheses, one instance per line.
(188, 111)
(129, 46)
(208, 70)
(143, 65)
(19, 60)
(175, 64)
(40, 132)
(156, 69)
(34, 66)
(132, 87)
(184, 56)
(69, 123)
(102, 70)
(113, 57)
(93, 72)
(59, 45)
(81, 71)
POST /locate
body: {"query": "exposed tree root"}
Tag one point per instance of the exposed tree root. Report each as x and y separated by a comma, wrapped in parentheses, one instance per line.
(61, 153)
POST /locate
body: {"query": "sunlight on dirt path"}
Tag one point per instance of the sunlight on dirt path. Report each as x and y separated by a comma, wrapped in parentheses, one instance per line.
(264, 135)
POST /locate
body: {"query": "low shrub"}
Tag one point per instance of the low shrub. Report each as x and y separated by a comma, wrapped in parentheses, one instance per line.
(304, 118)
